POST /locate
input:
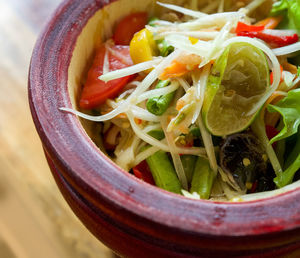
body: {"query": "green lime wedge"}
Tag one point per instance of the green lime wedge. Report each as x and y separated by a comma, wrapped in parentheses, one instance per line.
(238, 80)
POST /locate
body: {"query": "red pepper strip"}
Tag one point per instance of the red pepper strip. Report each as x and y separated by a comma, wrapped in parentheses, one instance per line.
(273, 40)
(241, 27)
(142, 171)
(271, 75)
(271, 133)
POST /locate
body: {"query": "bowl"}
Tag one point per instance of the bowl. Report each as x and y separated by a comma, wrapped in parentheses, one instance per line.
(131, 217)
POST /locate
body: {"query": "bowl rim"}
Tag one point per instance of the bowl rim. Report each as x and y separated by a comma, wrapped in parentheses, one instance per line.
(95, 176)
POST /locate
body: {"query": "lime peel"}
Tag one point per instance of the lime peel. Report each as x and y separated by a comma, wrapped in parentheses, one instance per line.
(238, 80)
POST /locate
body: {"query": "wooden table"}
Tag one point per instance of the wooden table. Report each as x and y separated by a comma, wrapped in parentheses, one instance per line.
(35, 221)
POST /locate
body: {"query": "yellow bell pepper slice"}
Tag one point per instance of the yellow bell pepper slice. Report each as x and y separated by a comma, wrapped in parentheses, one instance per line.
(142, 47)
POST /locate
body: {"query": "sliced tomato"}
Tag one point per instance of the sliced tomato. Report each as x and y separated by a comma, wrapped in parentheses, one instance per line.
(142, 171)
(95, 91)
(128, 27)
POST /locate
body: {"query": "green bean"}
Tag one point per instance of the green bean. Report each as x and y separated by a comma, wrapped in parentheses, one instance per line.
(163, 172)
(203, 178)
(188, 163)
(157, 134)
(159, 105)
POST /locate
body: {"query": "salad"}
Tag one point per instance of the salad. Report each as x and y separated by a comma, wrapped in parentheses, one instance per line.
(202, 101)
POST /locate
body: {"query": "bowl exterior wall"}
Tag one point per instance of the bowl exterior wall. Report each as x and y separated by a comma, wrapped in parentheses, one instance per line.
(126, 241)
(128, 215)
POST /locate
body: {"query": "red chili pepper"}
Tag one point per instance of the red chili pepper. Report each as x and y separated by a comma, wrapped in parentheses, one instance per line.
(270, 37)
(242, 27)
(271, 133)
(142, 171)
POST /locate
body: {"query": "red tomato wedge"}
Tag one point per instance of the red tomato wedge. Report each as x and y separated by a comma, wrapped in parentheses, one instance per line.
(142, 171)
(95, 91)
(128, 27)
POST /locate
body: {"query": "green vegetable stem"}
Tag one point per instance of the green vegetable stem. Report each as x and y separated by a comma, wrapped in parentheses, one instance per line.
(291, 165)
(289, 109)
(163, 172)
(164, 48)
(203, 178)
(159, 105)
(294, 153)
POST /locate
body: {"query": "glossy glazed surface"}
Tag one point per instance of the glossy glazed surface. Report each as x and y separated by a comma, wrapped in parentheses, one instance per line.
(160, 219)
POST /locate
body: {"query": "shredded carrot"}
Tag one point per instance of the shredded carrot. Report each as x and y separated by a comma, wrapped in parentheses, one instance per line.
(183, 129)
(293, 70)
(281, 78)
(138, 121)
(121, 115)
(275, 97)
(289, 67)
(176, 69)
(271, 118)
(270, 22)
(180, 104)
(170, 117)
(181, 66)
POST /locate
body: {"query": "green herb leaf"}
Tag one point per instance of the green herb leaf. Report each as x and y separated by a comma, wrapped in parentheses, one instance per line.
(279, 7)
(290, 9)
(289, 108)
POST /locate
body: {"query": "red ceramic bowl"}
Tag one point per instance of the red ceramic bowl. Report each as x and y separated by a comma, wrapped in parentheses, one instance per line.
(131, 217)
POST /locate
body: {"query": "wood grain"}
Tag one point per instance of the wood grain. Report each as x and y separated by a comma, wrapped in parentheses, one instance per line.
(35, 221)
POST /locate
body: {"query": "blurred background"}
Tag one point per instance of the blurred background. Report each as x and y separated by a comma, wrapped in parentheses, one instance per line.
(35, 221)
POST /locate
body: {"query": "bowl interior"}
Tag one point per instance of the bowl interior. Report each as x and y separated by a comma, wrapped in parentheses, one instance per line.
(98, 29)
